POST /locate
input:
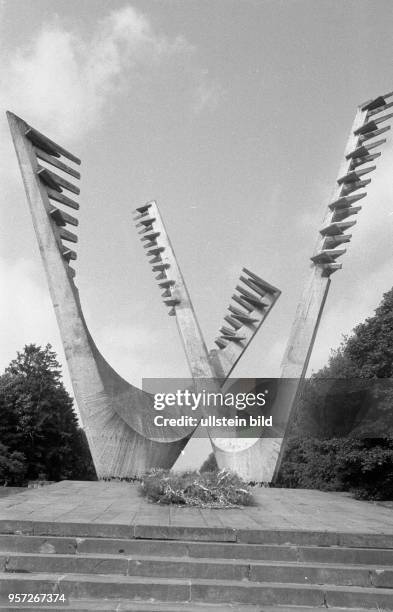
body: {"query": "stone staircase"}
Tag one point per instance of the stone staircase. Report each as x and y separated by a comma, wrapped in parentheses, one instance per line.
(173, 569)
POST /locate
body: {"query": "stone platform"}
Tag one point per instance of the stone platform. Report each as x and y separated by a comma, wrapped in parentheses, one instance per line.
(119, 504)
(103, 547)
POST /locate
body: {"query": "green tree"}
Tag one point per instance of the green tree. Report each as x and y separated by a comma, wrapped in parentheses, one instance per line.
(12, 466)
(370, 348)
(38, 417)
(342, 432)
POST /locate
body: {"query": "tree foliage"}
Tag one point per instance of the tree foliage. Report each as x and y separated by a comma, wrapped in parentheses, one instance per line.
(210, 464)
(342, 432)
(38, 421)
(12, 466)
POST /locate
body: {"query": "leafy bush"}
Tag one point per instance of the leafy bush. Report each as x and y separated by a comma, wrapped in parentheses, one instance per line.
(309, 463)
(219, 489)
(366, 468)
(342, 430)
(362, 467)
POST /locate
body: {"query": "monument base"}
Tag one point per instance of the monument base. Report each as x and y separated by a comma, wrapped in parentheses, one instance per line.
(100, 546)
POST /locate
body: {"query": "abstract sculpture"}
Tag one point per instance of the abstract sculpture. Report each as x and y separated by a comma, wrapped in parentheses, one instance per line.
(118, 417)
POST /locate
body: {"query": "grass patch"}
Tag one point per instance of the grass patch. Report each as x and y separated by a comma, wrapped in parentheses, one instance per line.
(218, 489)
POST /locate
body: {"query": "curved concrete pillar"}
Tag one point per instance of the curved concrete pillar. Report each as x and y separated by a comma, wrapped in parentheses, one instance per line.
(117, 417)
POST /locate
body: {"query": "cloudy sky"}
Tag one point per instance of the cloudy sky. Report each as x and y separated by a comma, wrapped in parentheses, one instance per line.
(233, 115)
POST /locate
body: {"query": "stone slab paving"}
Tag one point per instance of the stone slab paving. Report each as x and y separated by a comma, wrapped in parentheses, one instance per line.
(120, 503)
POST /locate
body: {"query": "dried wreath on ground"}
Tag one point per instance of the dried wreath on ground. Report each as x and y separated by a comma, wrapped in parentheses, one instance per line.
(218, 489)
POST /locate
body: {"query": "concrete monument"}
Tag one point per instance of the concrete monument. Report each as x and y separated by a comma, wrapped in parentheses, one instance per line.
(118, 417)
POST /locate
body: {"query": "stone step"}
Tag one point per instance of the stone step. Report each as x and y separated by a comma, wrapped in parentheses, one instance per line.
(191, 533)
(209, 550)
(203, 568)
(196, 591)
(121, 605)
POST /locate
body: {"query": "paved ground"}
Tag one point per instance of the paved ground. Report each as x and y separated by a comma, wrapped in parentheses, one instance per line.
(121, 504)
(5, 491)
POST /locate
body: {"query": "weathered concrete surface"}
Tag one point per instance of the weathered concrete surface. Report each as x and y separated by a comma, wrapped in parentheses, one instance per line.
(118, 417)
(5, 491)
(205, 568)
(185, 590)
(110, 509)
(194, 551)
(103, 543)
(121, 605)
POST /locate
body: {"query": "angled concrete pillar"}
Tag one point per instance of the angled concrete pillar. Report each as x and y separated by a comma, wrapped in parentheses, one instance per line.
(117, 417)
(260, 459)
(252, 302)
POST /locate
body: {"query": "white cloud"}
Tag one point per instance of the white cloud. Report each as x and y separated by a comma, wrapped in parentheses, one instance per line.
(62, 82)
